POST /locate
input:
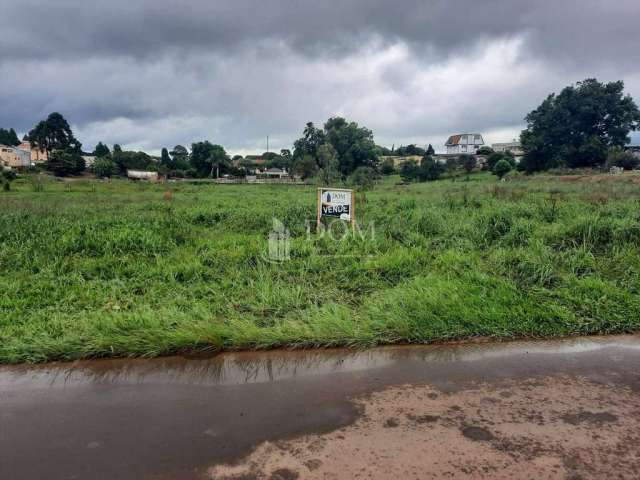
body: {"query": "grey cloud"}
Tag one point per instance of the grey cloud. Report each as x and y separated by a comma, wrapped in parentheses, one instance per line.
(570, 30)
(152, 73)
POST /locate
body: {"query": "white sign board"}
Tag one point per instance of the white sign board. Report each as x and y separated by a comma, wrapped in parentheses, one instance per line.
(336, 203)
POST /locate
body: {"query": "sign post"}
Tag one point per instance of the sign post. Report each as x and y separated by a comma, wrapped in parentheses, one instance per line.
(336, 203)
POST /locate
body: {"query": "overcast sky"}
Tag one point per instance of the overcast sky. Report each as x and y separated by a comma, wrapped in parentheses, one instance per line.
(154, 73)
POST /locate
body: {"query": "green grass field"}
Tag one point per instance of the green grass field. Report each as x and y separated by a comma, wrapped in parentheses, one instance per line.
(114, 269)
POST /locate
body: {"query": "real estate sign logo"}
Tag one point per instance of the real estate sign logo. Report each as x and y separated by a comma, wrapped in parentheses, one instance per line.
(336, 203)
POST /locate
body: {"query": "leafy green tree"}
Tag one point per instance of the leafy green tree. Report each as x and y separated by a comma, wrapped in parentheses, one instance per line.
(363, 178)
(329, 171)
(305, 167)
(130, 160)
(179, 153)
(208, 159)
(577, 127)
(468, 162)
(247, 165)
(619, 157)
(54, 133)
(409, 171)
(430, 151)
(165, 159)
(101, 150)
(279, 162)
(410, 150)
(353, 144)
(104, 167)
(497, 156)
(286, 159)
(285, 153)
(9, 137)
(63, 163)
(118, 158)
(308, 144)
(502, 168)
(429, 169)
(485, 150)
(387, 167)
(180, 158)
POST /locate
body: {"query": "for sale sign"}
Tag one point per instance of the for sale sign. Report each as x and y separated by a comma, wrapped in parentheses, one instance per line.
(335, 203)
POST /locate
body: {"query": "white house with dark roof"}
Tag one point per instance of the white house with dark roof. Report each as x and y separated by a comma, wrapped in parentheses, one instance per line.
(464, 143)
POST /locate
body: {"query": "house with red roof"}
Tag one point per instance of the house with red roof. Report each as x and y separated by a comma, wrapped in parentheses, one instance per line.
(464, 143)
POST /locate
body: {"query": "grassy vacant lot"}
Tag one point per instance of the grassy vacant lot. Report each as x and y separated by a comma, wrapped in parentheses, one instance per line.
(114, 269)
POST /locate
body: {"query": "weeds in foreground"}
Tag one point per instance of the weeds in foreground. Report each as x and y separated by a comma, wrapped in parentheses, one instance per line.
(116, 269)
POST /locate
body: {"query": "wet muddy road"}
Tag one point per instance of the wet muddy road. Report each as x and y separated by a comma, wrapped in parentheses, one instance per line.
(563, 409)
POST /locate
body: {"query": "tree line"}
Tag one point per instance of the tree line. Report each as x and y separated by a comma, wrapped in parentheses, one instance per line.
(585, 125)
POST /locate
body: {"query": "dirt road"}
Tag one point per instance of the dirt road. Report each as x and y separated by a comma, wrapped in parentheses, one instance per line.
(564, 409)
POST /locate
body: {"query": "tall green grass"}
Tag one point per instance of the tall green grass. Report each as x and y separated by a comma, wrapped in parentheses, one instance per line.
(113, 269)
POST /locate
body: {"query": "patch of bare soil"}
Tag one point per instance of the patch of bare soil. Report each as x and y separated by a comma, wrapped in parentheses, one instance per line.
(557, 427)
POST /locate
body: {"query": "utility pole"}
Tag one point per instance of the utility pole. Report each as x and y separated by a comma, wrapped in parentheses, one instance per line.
(267, 143)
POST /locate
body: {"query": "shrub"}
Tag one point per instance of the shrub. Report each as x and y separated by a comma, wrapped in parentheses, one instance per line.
(618, 157)
(387, 167)
(65, 162)
(6, 177)
(468, 162)
(104, 167)
(502, 168)
(409, 171)
(363, 178)
(484, 150)
(429, 170)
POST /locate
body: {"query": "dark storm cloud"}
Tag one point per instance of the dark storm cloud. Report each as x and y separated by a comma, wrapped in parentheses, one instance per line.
(155, 72)
(573, 30)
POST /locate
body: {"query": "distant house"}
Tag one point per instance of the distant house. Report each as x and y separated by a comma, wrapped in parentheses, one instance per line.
(464, 143)
(14, 157)
(514, 147)
(274, 173)
(142, 175)
(37, 155)
(88, 160)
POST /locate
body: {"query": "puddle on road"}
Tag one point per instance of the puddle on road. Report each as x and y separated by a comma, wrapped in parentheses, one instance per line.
(153, 418)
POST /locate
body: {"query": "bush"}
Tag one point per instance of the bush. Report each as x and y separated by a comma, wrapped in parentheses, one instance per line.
(409, 170)
(468, 162)
(494, 158)
(387, 167)
(502, 168)
(6, 177)
(104, 167)
(429, 170)
(618, 157)
(363, 178)
(65, 162)
(484, 150)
